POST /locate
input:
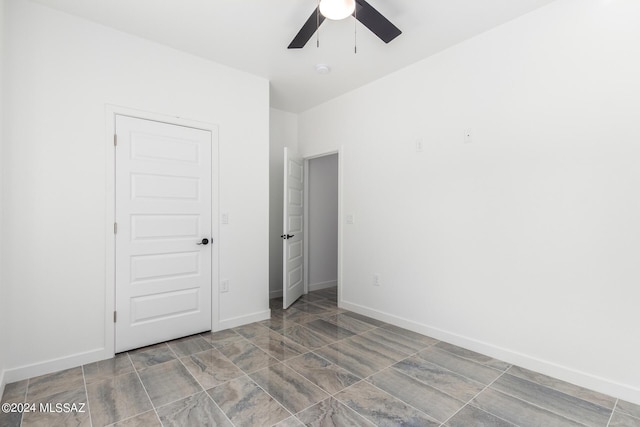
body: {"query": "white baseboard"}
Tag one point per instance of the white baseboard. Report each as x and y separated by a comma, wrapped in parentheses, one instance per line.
(583, 379)
(52, 365)
(323, 285)
(275, 294)
(244, 320)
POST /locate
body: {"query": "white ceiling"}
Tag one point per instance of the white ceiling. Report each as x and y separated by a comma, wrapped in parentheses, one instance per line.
(253, 35)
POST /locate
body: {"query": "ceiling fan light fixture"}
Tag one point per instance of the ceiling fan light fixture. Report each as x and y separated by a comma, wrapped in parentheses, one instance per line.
(323, 69)
(337, 9)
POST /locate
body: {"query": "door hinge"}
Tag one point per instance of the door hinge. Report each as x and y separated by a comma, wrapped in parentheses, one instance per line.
(115, 139)
(115, 316)
(115, 228)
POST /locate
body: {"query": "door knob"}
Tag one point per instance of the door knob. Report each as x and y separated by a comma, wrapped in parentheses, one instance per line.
(287, 236)
(205, 241)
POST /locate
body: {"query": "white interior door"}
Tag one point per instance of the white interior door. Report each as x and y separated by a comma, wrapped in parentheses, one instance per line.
(163, 216)
(293, 236)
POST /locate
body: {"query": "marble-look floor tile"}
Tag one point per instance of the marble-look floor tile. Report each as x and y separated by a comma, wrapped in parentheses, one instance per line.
(459, 365)
(290, 422)
(329, 377)
(168, 382)
(473, 356)
(324, 303)
(555, 401)
(105, 369)
(453, 384)
(189, 345)
(77, 415)
(519, 412)
(278, 346)
(393, 340)
(148, 419)
(306, 337)
(628, 408)
(292, 390)
(275, 303)
(301, 317)
(564, 387)
(429, 400)
(210, 368)
(311, 297)
(151, 356)
(246, 404)
(10, 419)
(365, 319)
(349, 323)
(383, 409)
(252, 330)
(422, 339)
(330, 413)
(351, 357)
(15, 392)
(220, 338)
(278, 324)
(247, 356)
(283, 313)
(470, 416)
(196, 410)
(308, 307)
(379, 347)
(620, 419)
(116, 399)
(330, 330)
(50, 384)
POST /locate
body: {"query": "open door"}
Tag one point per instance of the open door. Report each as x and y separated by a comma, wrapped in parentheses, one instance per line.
(293, 236)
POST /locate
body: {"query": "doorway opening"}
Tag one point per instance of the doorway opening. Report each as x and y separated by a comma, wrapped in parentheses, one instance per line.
(321, 222)
(310, 233)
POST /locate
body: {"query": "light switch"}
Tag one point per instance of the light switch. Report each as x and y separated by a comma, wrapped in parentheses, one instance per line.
(225, 218)
(350, 219)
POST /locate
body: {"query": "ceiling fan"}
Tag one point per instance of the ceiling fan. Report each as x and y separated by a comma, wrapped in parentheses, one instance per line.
(340, 9)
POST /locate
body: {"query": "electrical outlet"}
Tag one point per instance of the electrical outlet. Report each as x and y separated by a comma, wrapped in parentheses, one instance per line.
(224, 286)
(419, 146)
(376, 279)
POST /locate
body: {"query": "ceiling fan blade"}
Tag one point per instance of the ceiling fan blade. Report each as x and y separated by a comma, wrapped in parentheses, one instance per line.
(373, 20)
(307, 30)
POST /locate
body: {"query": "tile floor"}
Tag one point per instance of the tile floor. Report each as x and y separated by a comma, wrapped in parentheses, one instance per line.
(314, 365)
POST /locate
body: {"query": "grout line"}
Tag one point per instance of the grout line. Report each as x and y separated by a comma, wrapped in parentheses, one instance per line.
(26, 393)
(86, 393)
(133, 416)
(615, 405)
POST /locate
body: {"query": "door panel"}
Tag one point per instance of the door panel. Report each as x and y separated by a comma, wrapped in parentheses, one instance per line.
(163, 210)
(293, 284)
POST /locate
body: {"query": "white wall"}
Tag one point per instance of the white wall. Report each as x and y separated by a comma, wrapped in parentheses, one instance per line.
(62, 71)
(283, 132)
(322, 234)
(524, 243)
(3, 323)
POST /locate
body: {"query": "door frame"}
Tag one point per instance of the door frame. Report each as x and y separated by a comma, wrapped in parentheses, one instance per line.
(305, 219)
(111, 111)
